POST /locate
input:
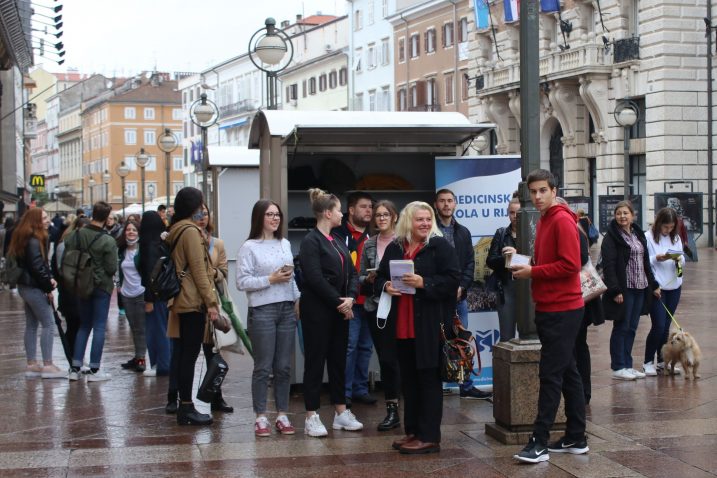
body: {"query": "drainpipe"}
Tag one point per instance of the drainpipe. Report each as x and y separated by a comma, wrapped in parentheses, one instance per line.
(351, 90)
(710, 159)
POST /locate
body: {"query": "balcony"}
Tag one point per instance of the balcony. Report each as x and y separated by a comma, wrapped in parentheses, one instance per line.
(239, 107)
(433, 107)
(626, 49)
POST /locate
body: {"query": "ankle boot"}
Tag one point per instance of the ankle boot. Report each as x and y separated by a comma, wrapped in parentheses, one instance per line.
(188, 415)
(219, 405)
(171, 407)
(392, 419)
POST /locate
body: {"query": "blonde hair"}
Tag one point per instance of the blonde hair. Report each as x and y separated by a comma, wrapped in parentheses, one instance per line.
(321, 201)
(405, 221)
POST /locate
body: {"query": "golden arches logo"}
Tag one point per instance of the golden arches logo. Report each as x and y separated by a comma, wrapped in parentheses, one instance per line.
(37, 180)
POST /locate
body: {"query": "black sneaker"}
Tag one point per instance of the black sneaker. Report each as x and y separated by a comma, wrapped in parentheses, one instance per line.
(475, 394)
(575, 447)
(533, 452)
(129, 364)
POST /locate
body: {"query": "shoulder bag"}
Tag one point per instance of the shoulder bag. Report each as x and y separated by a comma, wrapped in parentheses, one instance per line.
(457, 353)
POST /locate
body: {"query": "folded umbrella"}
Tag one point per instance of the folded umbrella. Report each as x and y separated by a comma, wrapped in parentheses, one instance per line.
(63, 335)
(228, 307)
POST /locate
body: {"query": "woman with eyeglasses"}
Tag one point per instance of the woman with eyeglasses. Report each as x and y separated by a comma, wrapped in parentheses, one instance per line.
(265, 271)
(385, 217)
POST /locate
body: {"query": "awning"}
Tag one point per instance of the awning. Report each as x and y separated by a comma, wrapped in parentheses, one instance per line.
(234, 124)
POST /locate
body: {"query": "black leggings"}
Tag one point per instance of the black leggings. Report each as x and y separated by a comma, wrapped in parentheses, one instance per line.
(390, 376)
(191, 333)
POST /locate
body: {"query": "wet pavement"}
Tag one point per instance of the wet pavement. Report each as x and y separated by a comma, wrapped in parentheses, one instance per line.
(660, 426)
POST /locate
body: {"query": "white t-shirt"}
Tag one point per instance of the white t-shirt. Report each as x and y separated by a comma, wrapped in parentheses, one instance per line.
(132, 281)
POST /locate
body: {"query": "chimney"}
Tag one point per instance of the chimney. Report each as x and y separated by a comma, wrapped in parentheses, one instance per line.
(285, 24)
(298, 18)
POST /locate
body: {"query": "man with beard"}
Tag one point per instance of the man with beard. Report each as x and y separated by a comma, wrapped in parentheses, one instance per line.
(459, 237)
(354, 232)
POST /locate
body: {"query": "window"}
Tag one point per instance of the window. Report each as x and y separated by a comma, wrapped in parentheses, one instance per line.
(151, 164)
(178, 134)
(359, 102)
(430, 40)
(463, 31)
(130, 136)
(322, 82)
(358, 59)
(431, 92)
(358, 20)
(292, 92)
(130, 188)
(149, 113)
(414, 95)
(384, 8)
(129, 161)
(150, 189)
(372, 100)
(385, 52)
(150, 136)
(449, 89)
(370, 11)
(371, 56)
(415, 45)
(333, 79)
(343, 76)
(177, 163)
(401, 50)
(464, 87)
(130, 112)
(312, 86)
(177, 114)
(386, 98)
(447, 35)
(177, 186)
(303, 89)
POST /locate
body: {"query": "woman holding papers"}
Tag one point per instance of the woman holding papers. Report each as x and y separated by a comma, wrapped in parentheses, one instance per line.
(666, 258)
(329, 289)
(385, 217)
(416, 318)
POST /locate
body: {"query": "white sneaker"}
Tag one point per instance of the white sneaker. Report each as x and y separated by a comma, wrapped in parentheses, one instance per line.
(98, 376)
(649, 369)
(622, 374)
(73, 376)
(346, 421)
(51, 371)
(313, 426)
(636, 373)
(150, 372)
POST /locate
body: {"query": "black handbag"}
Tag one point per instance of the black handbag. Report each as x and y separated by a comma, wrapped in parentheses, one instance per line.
(457, 352)
(213, 379)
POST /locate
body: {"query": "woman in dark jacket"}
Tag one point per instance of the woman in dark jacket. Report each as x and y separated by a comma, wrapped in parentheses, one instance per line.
(505, 243)
(329, 289)
(416, 321)
(29, 245)
(630, 287)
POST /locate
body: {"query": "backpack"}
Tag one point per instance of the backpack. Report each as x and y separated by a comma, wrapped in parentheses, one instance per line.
(164, 282)
(593, 234)
(10, 270)
(76, 269)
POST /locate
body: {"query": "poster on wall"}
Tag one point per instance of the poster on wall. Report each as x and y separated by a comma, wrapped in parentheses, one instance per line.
(606, 209)
(483, 186)
(687, 205)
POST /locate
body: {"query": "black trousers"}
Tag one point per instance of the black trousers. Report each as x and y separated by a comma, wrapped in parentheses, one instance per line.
(558, 374)
(390, 376)
(325, 343)
(422, 395)
(582, 357)
(191, 333)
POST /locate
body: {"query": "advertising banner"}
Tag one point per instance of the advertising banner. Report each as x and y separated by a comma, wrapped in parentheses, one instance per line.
(483, 187)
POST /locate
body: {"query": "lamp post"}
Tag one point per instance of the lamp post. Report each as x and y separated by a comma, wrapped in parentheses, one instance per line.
(122, 171)
(269, 45)
(168, 142)
(204, 113)
(142, 159)
(626, 114)
(106, 178)
(91, 183)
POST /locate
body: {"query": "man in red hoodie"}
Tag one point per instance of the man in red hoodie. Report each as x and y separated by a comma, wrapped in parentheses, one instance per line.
(555, 275)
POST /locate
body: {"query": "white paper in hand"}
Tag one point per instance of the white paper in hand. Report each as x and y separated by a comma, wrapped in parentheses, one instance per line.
(519, 260)
(397, 269)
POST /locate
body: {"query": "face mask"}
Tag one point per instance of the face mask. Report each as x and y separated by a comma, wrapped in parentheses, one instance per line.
(198, 216)
(133, 242)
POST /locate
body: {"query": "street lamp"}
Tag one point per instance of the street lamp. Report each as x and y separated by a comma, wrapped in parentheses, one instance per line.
(91, 183)
(168, 142)
(106, 178)
(270, 45)
(204, 113)
(626, 114)
(122, 171)
(142, 159)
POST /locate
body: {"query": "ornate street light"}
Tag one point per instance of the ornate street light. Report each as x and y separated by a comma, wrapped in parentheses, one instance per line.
(122, 171)
(142, 159)
(168, 142)
(204, 113)
(91, 183)
(270, 45)
(626, 114)
(106, 178)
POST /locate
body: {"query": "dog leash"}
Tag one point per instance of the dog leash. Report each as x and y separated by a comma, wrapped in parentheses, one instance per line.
(670, 314)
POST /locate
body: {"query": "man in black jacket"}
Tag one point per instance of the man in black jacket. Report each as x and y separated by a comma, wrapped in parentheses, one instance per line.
(460, 238)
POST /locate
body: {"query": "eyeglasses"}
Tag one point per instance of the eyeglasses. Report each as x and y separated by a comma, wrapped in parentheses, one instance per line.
(383, 216)
(273, 215)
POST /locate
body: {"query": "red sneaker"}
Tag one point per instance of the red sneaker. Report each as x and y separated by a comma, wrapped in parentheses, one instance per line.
(261, 427)
(284, 425)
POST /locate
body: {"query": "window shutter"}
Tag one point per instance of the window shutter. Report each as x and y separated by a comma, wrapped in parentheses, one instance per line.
(420, 93)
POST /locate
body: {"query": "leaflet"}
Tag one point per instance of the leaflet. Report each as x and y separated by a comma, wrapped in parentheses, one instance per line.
(398, 268)
(674, 253)
(519, 260)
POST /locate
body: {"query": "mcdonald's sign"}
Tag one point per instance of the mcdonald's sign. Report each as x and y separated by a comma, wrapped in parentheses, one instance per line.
(37, 181)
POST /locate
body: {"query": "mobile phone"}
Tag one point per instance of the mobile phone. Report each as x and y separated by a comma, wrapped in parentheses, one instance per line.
(287, 268)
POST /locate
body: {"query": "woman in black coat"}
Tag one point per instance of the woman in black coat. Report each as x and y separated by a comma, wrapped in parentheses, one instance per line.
(416, 320)
(630, 287)
(329, 289)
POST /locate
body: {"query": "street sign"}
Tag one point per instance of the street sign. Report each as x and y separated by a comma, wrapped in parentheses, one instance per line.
(37, 182)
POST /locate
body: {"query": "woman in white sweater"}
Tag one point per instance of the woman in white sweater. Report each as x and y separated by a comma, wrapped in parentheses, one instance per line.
(665, 247)
(265, 272)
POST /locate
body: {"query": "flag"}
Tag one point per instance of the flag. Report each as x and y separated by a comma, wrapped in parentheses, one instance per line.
(482, 12)
(512, 10)
(547, 6)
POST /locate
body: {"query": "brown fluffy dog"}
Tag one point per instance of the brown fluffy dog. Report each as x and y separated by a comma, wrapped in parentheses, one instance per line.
(682, 347)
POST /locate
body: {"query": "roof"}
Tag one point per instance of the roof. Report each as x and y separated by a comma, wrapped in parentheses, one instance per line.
(316, 19)
(71, 76)
(165, 92)
(237, 156)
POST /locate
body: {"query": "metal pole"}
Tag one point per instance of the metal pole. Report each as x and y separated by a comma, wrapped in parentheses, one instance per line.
(626, 159)
(710, 159)
(205, 163)
(167, 167)
(92, 196)
(142, 173)
(528, 216)
(271, 87)
(82, 191)
(124, 213)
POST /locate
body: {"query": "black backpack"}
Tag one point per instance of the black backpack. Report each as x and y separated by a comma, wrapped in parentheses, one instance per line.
(164, 282)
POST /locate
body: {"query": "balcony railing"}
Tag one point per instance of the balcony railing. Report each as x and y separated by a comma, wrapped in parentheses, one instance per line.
(237, 108)
(627, 49)
(433, 107)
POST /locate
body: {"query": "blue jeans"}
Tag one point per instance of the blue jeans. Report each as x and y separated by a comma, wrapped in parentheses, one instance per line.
(623, 331)
(358, 354)
(157, 340)
(93, 317)
(660, 323)
(462, 309)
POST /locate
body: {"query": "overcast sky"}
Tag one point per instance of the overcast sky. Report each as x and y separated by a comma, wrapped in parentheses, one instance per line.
(129, 36)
